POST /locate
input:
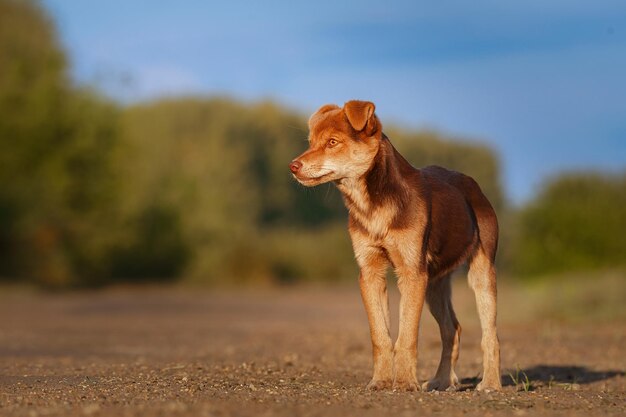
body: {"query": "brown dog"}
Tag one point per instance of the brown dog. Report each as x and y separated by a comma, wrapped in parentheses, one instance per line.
(425, 222)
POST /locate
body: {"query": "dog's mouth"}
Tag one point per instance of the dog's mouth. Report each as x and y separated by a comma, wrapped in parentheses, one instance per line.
(309, 181)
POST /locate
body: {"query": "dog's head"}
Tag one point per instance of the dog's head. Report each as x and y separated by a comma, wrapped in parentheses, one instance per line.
(343, 142)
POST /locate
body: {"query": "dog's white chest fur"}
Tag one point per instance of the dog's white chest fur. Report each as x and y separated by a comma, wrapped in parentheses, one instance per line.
(375, 219)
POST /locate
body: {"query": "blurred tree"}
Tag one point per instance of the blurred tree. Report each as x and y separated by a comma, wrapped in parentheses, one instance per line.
(155, 249)
(223, 167)
(32, 70)
(576, 223)
(180, 154)
(54, 145)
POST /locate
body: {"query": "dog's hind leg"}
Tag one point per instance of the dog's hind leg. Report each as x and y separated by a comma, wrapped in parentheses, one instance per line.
(438, 297)
(482, 279)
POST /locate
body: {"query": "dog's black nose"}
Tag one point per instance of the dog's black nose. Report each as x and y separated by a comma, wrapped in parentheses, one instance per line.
(295, 166)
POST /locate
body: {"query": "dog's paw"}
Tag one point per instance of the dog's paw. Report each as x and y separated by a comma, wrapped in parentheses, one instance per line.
(379, 384)
(410, 386)
(489, 385)
(448, 384)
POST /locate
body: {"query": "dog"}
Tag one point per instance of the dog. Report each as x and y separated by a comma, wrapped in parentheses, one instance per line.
(425, 223)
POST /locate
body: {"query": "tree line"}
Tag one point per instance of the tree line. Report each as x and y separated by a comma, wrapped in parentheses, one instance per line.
(197, 188)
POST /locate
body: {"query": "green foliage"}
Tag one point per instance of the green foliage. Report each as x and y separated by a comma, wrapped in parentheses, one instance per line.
(31, 93)
(222, 167)
(56, 182)
(577, 222)
(521, 380)
(156, 249)
(320, 254)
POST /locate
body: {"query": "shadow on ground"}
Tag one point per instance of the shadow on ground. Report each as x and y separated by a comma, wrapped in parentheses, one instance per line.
(548, 374)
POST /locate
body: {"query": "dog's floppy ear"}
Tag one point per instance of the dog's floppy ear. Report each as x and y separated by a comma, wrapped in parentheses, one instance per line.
(361, 115)
(324, 109)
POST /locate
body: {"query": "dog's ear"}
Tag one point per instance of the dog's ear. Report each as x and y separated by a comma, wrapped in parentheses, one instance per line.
(324, 109)
(361, 115)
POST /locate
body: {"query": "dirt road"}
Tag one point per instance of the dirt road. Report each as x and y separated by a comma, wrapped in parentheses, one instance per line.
(300, 351)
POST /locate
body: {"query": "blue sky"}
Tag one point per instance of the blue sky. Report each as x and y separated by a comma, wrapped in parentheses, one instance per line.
(543, 82)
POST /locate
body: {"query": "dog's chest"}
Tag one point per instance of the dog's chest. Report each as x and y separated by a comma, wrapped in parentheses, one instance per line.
(375, 220)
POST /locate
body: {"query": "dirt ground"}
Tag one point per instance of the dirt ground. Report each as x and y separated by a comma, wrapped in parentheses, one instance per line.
(296, 351)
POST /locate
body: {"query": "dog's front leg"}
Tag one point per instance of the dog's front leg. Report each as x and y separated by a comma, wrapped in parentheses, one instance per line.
(412, 288)
(373, 285)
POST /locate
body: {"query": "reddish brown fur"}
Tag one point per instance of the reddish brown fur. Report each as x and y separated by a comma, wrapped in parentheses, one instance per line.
(424, 222)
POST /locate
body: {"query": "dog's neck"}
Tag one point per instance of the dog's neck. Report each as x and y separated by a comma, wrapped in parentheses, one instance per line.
(380, 186)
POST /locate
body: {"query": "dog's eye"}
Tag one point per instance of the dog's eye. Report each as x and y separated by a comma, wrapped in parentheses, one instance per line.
(332, 142)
